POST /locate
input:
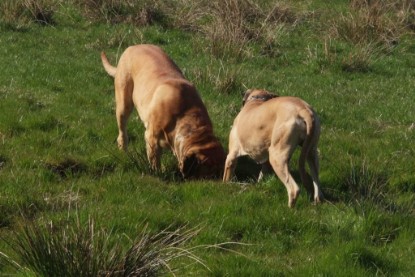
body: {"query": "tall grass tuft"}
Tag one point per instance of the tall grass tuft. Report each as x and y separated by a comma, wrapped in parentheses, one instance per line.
(136, 159)
(229, 30)
(83, 250)
(234, 24)
(20, 13)
(370, 188)
(228, 25)
(359, 59)
(371, 28)
(187, 15)
(370, 22)
(139, 13)
(152, 254)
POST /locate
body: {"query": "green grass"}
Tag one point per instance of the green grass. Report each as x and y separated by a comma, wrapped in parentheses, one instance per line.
(59, 160)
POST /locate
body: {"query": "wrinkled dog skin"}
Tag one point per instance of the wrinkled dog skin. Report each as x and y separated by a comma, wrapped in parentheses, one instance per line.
(170, 107)
(268, 129)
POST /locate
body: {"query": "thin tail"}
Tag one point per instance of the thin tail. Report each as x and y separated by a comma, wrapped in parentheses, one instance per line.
(310, 126)
(111, 70)
(310, 123)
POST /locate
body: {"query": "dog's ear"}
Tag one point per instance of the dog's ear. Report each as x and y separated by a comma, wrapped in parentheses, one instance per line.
(246, 95)
(272, 95)
(247, 92)
(266, 95)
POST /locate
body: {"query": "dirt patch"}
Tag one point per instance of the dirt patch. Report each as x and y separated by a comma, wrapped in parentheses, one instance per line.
(67, 167)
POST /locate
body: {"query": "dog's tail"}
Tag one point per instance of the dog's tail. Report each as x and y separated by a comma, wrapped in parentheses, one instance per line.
(312, 126)
(111, 70)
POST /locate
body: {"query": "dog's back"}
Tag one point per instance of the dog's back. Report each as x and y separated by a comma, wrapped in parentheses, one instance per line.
(149, 60)
(254, 120)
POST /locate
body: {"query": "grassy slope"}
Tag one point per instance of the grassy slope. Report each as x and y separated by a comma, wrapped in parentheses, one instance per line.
(56, 112)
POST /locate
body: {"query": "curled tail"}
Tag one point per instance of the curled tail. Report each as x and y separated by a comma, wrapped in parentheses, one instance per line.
(111, 70)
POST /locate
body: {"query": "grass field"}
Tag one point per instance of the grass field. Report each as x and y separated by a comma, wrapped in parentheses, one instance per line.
(60, 166)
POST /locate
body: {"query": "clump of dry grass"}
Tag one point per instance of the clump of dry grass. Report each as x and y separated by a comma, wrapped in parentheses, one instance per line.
(20, 13)
(228, 25)
(370, 29)
(187, 15)
(369, 22)
(139, 13)
(225, 78)
(366, 185)
(359, 58)
(407, 14)
(83, 250)
(234, 24)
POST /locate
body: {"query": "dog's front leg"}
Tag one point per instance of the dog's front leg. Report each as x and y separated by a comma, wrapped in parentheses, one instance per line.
(124, 107)
(266, 169)
(231, 159)
(153, 150)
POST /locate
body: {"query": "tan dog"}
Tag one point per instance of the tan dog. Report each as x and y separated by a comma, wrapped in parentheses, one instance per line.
(268, 129)
(169, 106)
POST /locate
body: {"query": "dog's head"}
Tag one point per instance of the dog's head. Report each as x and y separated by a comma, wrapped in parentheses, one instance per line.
(206, 163)
(257, 94)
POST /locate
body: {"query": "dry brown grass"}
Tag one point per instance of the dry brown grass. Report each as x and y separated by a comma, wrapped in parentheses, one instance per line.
(20, 13)
(380, 23)
(234, 24)
(139, 13)
(231, 25)
(228, 25)
(85, 250)
(370, 28)
(186, 15)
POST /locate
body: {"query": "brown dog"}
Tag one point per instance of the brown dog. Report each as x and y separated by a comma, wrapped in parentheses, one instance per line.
(268, 129)
(169, 106)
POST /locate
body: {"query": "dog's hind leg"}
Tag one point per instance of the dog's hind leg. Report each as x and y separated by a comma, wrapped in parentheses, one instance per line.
(309, 152)
(279, 157)
(124, 107)
(306, 179)
(312, 159)
(280, 166)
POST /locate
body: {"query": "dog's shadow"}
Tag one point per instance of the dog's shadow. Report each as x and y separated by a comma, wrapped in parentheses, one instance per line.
(247, 170)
